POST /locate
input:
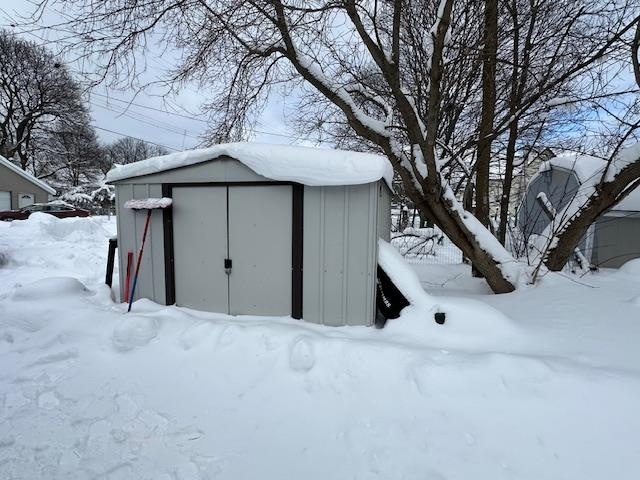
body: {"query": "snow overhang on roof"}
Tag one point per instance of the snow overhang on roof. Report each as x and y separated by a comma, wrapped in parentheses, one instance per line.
(27, 176)
(589, 169)
(308, 166)
(585, 167)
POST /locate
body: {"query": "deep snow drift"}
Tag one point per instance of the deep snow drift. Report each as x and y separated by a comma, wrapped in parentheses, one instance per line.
(543, 384)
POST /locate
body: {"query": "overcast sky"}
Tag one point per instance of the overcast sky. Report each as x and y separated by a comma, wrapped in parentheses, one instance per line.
(172, 122)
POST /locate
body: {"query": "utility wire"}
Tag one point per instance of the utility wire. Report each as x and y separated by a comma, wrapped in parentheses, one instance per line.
(182, 131)
(189, 117)
(148, 121)
(135, 138)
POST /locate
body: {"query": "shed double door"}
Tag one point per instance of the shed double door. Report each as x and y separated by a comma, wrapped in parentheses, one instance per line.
(232, 248)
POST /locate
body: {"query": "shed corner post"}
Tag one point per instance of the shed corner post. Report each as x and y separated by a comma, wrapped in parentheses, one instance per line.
(167, 227)
(297, 242)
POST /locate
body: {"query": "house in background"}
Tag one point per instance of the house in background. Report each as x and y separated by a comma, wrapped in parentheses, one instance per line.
(19, 188)
(612, 240)
(522, 174)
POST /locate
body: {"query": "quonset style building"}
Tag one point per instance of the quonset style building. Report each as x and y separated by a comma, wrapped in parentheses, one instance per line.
(612, 240)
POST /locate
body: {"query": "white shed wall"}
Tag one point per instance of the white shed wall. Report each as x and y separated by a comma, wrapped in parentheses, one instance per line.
(340, 254)
(151, 282)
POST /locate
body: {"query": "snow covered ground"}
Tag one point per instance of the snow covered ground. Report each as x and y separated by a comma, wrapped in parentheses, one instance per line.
(540, 384)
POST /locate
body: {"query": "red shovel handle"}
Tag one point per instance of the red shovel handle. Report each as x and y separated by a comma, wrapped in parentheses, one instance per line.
(135, 277)
(127, 279)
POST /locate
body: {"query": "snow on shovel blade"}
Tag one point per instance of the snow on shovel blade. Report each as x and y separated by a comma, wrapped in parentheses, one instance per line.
(148, 203)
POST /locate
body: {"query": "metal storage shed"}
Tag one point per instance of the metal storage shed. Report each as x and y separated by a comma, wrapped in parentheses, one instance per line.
(613, 239)
(259, 230)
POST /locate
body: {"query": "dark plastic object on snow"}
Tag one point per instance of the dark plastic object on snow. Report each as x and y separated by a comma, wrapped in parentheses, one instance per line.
(389, 300)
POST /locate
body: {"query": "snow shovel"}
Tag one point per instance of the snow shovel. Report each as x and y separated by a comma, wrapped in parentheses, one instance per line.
(127, 278)
(148, 204)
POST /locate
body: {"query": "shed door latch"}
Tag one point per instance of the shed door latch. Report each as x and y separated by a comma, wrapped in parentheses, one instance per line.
(227, 265)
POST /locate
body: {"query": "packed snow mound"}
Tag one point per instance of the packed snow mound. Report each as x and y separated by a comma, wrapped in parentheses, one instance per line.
(403, 276)
(59, 228)
(37, 220)
(632, 267)
(309, 166)
(134, 331)
(468, 323)
(51, 288)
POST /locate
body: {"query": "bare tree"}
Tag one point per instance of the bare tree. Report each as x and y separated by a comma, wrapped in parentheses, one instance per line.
(127, 150)
(382, 70)
(72, 156)
(35, 89)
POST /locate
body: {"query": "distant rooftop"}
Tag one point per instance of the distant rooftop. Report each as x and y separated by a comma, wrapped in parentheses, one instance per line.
(26, 175)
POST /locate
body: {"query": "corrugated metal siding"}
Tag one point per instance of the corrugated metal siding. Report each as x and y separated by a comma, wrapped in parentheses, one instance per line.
(617, 240)
(130, 229)
(384, 212)
(340, 250)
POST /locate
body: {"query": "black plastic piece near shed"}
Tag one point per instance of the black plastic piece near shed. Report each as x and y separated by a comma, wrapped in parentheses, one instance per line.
(389, 299)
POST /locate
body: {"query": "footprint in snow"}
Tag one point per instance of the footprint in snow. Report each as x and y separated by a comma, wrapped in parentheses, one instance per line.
(301, 355)
(70, 354)
(48, 400)
(133, 331)
(194, 335)
(469, 439)
(228, 336)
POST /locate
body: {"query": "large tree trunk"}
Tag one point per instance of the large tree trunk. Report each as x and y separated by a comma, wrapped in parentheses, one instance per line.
(485, 130)
(607, 195)
(454, 227)
(468, 234)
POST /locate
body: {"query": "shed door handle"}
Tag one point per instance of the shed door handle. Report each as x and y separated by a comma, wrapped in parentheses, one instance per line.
(228, 264)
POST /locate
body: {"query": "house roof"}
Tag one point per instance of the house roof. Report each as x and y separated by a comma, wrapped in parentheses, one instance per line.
(586, 168)
(27, 176)
(309, 166)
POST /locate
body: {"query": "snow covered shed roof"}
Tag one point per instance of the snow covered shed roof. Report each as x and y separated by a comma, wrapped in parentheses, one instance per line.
(308, 166)
(589, 169)
(26, 175)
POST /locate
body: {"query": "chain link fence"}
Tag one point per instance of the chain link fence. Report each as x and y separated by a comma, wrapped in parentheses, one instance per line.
(421, 244)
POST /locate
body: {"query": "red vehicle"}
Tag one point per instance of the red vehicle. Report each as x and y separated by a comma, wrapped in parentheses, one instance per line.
(57, 209)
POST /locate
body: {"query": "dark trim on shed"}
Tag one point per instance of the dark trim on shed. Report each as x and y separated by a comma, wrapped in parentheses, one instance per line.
(297, 238)
(167, 228)
(225, 184)
(296, 250)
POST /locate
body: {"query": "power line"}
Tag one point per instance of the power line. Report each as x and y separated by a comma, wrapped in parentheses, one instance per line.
(135, 138)
(181, 132)
(136, 116)
(189, 117)
(150, 108)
